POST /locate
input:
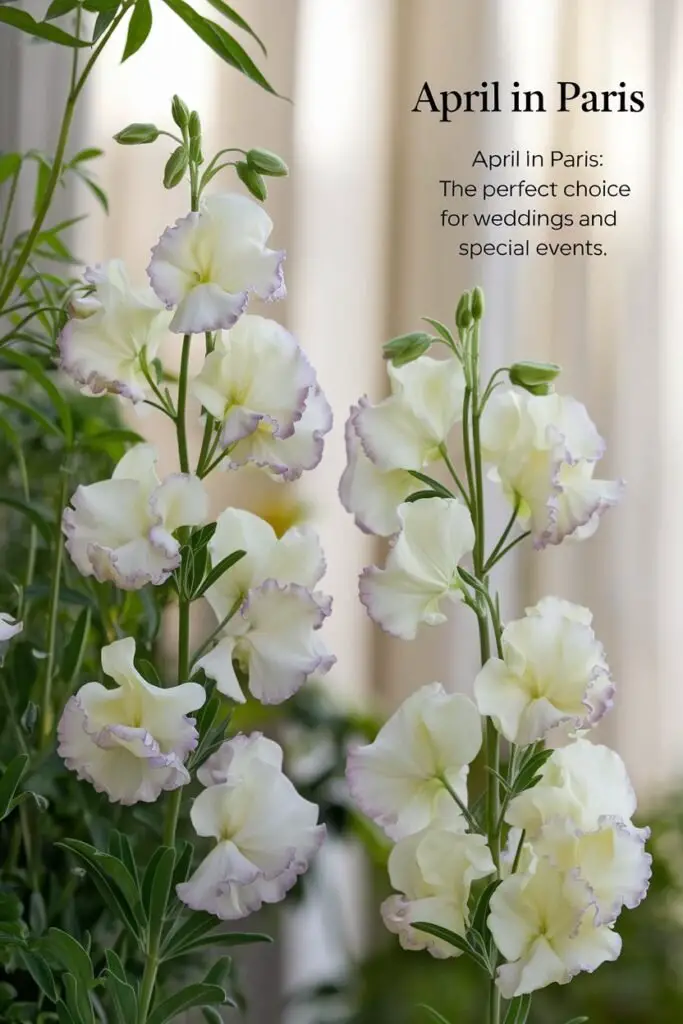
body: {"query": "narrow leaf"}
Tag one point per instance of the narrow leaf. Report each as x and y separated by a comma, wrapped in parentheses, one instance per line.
(90, 153)
(160, 888)
(421, 495)
(233, 16)
(110, 892)
(185, 999)
(441, 490)
(446, 935)
(31, 513)
(37, 966)
(75, 648)
(9, 165)
(482, 908)
(68, 952)
(9, 782)
(224, 940)
(122, 992)
(25, 23)
(518, 1010)
(218, 570)
(138, 29)
(434, 1014)
(59, 7)
(32, 367)
(104, 438)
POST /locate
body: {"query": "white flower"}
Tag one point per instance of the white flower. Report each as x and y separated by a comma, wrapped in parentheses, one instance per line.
(421, 568)
(434, 870)
(266, 832)
(122, 529)
(402, 780)
(9, 627)
(129, 742)
(553, 670)
(372, 494)
(406, 430)
(100, 346)
(209, 263)
(276, 614)
(542, 923)
(258, 385)
(544, 449)
(579, 816)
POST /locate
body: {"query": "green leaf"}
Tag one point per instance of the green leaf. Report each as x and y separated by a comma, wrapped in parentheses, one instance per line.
(37, 966)
(211, 1015)
(43, 422)
(528, 773)
(25, 23)
(37, 914)
(518, 1010)
(104, 438)
(123, 993)
(113, 882)
(434, 1014)
(59, 7)
(197, 925)
(201, 537)
(138, 29)
(224, 940)
(75, 648)
(68, 952)
(92, 186)
(218, 570)
(102, 23)
(221, 42)
(183, 863)
(446, 935)
(420, 495)
(233, 16)
(440, 489)
(10, 908)
(31, 513)
(9, 165)
(253, 180)
(77, 999)
(441, 330)
(11, 777)
(160, 888)
(32, 367)
(482, 908)
(90, 153)
(63, 1014)
(192, 995)
(148, 670)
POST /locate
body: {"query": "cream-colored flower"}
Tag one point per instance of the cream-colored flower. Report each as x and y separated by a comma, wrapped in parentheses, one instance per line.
(276, 613)
(544, 449)
(579, 816)
(208, 264)
(543, 924)
(421, 569)
(406, 430)
(553, 671)
(402, 780)
(9, 627)
(129, 742)
(101, 345)
(122, 529)
(265, 831)
(434, 870)
(261, 389)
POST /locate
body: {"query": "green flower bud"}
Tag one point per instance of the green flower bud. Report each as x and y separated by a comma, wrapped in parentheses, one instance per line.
(195, 133)
(477, 304)
(536, 378)
(463, 314)
(407, 347)
(252, 179)
(180, 112)
(175, 168)
(137, 134)
(265, 162)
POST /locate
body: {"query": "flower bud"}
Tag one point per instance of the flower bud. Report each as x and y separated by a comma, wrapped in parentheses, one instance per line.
(407, 347)
(265, 162)
(536, 378)
(137, 134)
(195, 132)
(252, 179)
(175, 168)
(477, 303)
(463, 314)
(180, 112)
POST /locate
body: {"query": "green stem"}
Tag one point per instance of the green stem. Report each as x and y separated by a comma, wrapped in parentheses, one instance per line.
(149, 979)
(55, 174)
(471, 821)
(10, 203)
(181, 426)
(204, 455)
(454, 473)
(53, 615)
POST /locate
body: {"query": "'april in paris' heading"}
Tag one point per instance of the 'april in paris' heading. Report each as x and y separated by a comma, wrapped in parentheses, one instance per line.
(568, 96)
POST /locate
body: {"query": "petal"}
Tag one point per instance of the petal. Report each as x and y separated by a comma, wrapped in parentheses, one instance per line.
(289, 457)
(239, 530)
(207, 307)
(434, 389)
(235, 757)
(371, 494)
(225, 884)
(217, 665)
(393, 437)
(398, 602)
(9, 627)
(398, 914)
(539, 968)
(498, 696)
(139, 464)
(297, 557)
(180, 501)
(281, 647)
(436, 534)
